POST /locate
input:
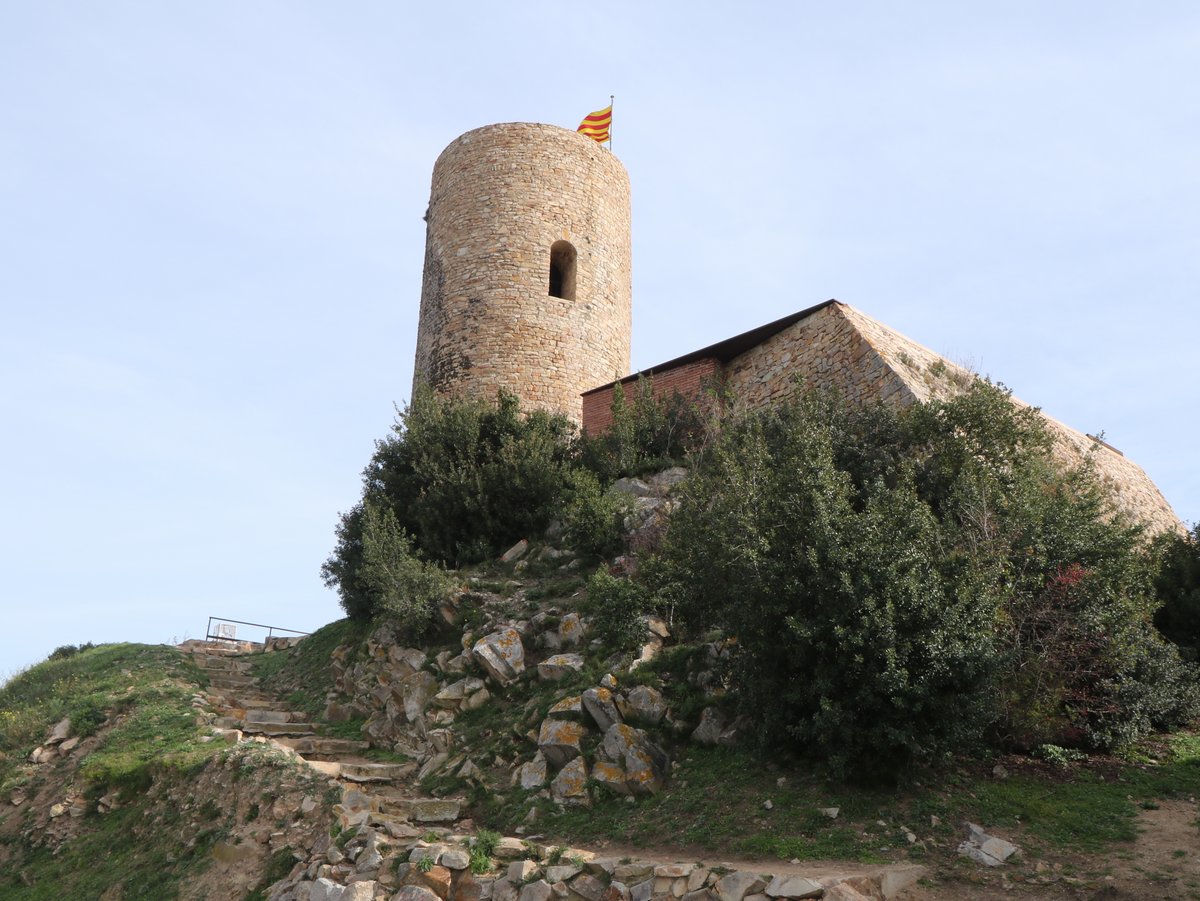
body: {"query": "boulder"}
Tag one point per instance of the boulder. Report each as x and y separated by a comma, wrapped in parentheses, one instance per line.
(646, 765)
(501, 654)
(414, 693)
(60, 732)
(326, 890)
(509, 848)
(538, 890)
(570, 785)
(406, 661)
(570, 708)
(668, 478)
(363, 890)
(588, 887)
(610, 776)
(712, 724)
(791, 886)
(601, 706)
(559, 666)
(516, 552)
(532, 774)
(570, 631)
(646, 705)
(521, 871)
(559, 740)
(737, 885)
(414, 893)
(562, 872)
(986, 849)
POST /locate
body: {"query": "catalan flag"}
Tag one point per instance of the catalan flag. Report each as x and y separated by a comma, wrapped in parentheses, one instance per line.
(596, 125)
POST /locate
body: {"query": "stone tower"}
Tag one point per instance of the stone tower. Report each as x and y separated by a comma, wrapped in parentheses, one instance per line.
(527, 274)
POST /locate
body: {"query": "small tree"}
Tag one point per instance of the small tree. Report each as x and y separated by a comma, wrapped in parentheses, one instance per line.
(901, 585)
(388, 577)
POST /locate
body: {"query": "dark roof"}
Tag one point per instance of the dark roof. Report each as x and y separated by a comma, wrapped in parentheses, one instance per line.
(726, 350)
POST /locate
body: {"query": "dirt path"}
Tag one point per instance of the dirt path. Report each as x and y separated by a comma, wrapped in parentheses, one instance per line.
(1163, 863)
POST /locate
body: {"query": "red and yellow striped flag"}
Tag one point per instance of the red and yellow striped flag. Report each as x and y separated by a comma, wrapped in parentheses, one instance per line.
(596, 125)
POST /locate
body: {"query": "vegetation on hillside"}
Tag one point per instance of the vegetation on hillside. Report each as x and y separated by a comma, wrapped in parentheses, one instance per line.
(903, 585)
(131, 706)
(899, 585)
(459, 481)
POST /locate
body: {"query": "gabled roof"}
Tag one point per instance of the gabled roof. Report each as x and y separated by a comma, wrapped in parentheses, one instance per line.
(723, 351)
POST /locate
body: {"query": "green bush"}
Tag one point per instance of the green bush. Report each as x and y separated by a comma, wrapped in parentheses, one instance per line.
(469, 477)
(616, 607)
(594, 518)
(906, 584)
(1178, 588)
(648, 433)
(400, 586)
(465, 478)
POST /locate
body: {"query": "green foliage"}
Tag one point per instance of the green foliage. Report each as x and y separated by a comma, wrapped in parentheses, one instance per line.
(304, 674)
(594, 517)
(469, 477)
(1178, 588)
(404, 588)
(69, 650)
(616, 607)
(90, 686)
(904, 585)
(482, 848)
(465, 478)
(425, 864)
(648, 433)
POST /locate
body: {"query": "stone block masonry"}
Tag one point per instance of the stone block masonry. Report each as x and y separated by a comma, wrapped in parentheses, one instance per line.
(836, 346)
(527, 284)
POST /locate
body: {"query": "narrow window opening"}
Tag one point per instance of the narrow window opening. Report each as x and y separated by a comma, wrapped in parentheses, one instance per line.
(562, 270)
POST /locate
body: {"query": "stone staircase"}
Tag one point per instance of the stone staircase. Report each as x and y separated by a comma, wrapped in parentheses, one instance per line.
(377, 794)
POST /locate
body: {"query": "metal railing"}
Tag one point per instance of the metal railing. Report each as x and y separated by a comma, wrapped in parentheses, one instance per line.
(227, 630)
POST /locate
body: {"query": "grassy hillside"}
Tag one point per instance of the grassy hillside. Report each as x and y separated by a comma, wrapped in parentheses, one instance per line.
(138, 802)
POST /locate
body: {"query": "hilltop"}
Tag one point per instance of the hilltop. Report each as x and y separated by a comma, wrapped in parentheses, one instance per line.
(839, 654)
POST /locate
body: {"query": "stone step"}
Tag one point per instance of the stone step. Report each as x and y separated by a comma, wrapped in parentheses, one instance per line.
(262, 715)
(325, 747)
(242, 701)
(224, 681)
(376, 772)
(275, 728)
(361, 805)
(222, 664)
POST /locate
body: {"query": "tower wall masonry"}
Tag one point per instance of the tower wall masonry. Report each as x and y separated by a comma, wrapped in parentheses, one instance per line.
(502, 195)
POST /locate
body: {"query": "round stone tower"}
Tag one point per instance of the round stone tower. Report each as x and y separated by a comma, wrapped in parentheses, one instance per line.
(527, 281)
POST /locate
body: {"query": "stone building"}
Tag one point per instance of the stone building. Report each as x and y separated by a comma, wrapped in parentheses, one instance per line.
(527, 289)
(527, 282)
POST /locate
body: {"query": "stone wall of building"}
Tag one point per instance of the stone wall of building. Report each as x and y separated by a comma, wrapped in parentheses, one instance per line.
(841, 348)
(823, 350)
(502, 195)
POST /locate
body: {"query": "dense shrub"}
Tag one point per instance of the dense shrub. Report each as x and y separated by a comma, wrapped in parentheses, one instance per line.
(904, 584)
(615, 607)
(594, 519)
(1178, 588)
(648, 433)
(465, 477)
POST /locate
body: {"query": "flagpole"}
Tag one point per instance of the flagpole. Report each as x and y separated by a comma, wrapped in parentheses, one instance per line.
(611, 98)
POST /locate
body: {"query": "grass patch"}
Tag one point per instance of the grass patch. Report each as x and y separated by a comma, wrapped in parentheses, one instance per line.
(715, 804)
(146, 689)
(304, 674)
(120, 847)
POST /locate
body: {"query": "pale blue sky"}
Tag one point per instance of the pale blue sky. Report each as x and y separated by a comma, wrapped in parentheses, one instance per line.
(211, 243)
